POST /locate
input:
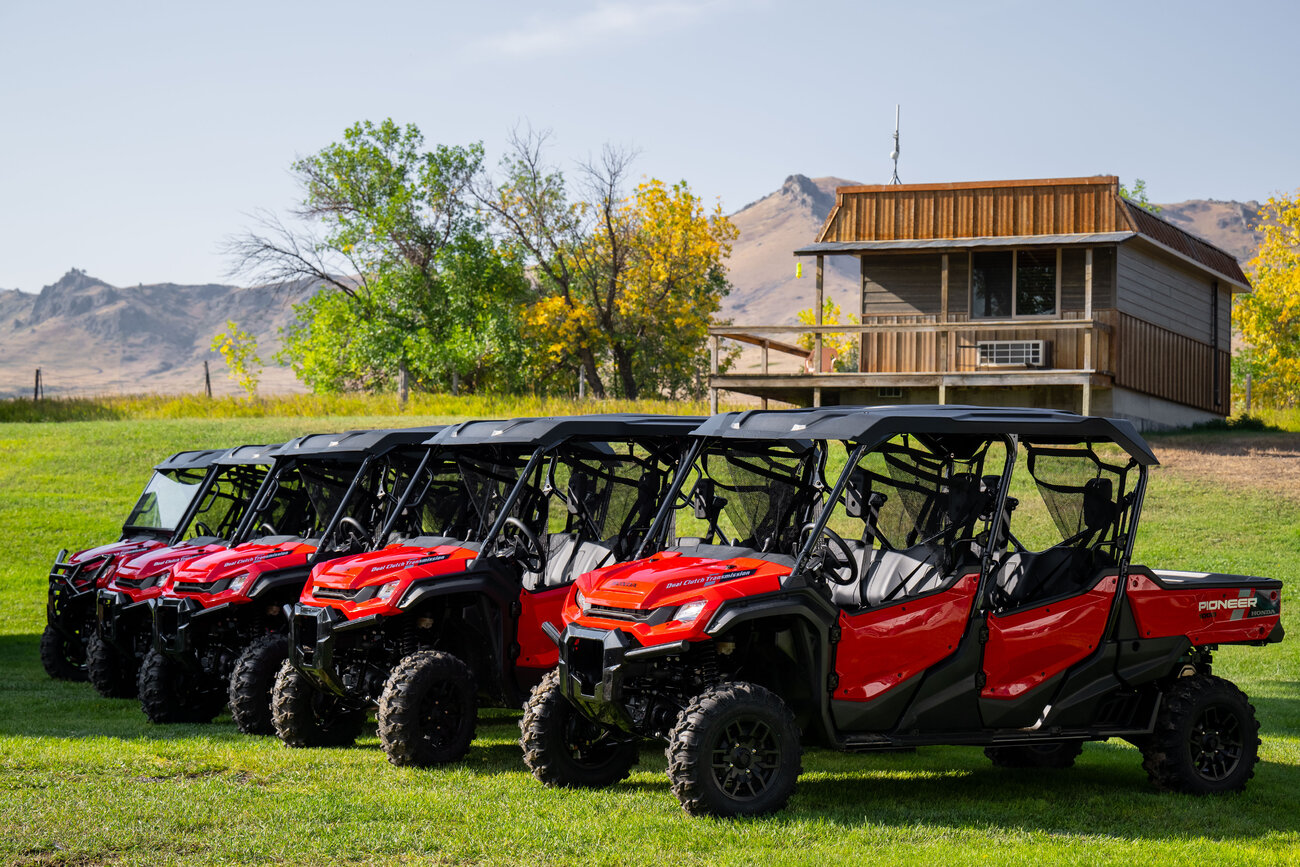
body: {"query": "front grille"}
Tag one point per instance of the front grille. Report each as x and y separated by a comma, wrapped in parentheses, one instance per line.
(197, 586)
(341, 593)
(636, 615)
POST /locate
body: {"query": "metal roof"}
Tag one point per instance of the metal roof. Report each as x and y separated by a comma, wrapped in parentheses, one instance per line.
(355, 444)
(876, 424)
(538, 432)
(1079, 238)
(191, 460)
(248, 454)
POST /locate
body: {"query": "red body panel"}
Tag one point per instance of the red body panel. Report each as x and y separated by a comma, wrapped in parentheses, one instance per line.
(536, 650)
(670, 578)
(150, 563)
(117, 553)
(1206, 615)
(1028, 647)
(880, 649)
(249, 557)
(400, 563)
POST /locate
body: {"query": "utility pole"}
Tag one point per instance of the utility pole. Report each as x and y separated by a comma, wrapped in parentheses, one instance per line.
(207, 379)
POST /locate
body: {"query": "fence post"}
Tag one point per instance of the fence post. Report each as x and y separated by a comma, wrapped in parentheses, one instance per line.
(207, 379)
(1248, 393)
(402, 390)
(36, 388)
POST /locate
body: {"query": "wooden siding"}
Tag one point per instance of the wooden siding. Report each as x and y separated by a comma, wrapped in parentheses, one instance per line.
(1004, 209)
(1073, 274)
(1164, 363)
(905, 284)
(1160, 290)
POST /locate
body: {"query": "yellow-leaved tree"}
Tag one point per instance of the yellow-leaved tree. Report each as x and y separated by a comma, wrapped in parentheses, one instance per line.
(238, 349)
(845, 346)
(1269, 317)
(626, 283)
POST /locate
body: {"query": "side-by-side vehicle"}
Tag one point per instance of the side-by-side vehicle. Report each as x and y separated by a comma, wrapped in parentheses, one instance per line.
(221, 620)
(154, 522)
(430, 628)
(123, 624)
(880, 578)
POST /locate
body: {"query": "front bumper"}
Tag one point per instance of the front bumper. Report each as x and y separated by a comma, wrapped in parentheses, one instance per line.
(70, 604)
(312, 641)
(120, 620)
(178, 621)
(592, 670)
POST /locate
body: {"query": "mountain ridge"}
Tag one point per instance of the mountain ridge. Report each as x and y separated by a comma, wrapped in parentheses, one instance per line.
(90, 337)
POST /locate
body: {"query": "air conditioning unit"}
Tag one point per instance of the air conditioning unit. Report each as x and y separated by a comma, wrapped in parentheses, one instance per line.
(1014, 353)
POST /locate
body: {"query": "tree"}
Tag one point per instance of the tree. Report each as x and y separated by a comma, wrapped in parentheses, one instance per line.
(844, 345)
(627, 283)
(409, 276)
(1269, 317)
(1138, 196)
(238, 350)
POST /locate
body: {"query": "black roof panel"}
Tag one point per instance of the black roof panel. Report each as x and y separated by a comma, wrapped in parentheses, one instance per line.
(191, 460)
(547, 432)
(248, 454)
(355, 444)
(879, 423)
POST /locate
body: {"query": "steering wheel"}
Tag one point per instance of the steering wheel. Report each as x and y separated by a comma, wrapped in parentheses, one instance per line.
(270, 531)
(356, 532)
(830, 568)
(203, 529)
(529, 552)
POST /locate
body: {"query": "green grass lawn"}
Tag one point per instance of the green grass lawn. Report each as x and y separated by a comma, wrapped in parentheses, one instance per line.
(87, 780)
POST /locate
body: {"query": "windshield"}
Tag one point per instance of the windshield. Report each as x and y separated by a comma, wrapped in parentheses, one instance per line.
(224, 502)
(749, 494)
(165, 499)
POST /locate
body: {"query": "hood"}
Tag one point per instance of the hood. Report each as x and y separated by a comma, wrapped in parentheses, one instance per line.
(674, 578)
(248, 557)
(150, 563)
(389, 564)
(116, 550)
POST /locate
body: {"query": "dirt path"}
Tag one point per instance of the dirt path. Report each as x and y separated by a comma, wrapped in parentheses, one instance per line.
(1261, 461)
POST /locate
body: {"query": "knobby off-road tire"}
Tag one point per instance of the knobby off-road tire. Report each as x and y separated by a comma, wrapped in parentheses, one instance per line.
(563, 748)
(112, 673)
(172, 693)
(304, 716)
(734, 751)
(428, 710)
(251, 683)
(63, 658)
(1206, 739)
(1055, 755)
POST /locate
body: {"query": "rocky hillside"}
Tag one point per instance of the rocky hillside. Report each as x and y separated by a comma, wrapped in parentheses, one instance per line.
(89, 337)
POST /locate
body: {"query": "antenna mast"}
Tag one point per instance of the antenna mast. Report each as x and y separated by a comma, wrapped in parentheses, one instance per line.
(894, 154)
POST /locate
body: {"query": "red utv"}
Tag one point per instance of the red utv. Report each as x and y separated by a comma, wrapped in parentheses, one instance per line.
(433, 627)
(221, 619)
(874, 578)
(123, 624)
(153, 523)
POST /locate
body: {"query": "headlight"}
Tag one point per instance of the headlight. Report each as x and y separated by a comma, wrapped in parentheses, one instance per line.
(386, 592)
(237, 582)
(580, 601)
(156, 579)
(689, 611)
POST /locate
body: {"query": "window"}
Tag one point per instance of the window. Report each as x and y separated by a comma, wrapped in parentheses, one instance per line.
(1007, 283)
(889, 392)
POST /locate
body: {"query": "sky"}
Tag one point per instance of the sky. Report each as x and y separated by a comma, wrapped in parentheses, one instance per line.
(135, 138)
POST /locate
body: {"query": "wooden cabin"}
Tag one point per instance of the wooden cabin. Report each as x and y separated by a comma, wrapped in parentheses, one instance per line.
(1052, 293)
